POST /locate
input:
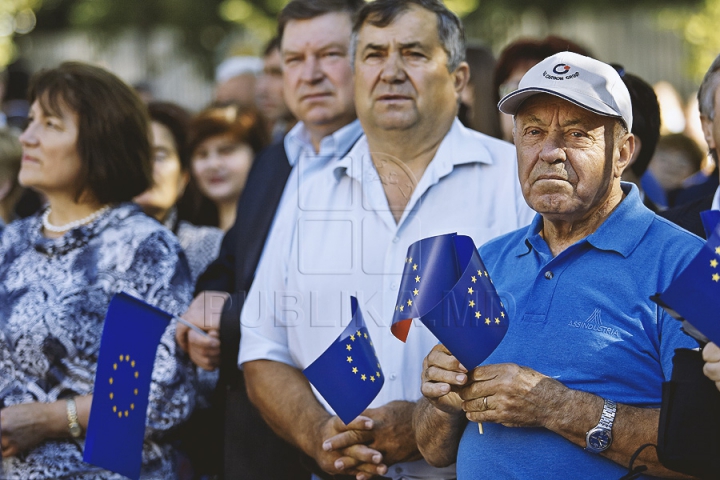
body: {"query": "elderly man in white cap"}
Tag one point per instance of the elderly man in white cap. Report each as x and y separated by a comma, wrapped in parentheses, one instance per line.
(574, 389)
(235, 80)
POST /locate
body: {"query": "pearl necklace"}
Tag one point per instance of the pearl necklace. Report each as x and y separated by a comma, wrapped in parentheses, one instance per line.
(69, 226)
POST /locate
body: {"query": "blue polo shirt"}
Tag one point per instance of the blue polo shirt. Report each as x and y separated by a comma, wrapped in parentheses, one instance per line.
(585, 319)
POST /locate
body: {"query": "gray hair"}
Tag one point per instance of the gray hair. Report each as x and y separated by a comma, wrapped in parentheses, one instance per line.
(706, 93)
(381, 13)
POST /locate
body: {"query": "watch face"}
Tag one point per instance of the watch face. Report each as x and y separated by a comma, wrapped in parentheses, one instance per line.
(599, 440)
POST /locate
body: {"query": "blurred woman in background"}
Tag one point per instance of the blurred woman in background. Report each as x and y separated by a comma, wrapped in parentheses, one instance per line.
(171, 200)
(86, 149)
(10, 189)
(223, 142)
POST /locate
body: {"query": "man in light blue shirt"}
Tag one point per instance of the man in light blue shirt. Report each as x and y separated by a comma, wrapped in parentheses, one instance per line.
(418, 172)
(575, 387)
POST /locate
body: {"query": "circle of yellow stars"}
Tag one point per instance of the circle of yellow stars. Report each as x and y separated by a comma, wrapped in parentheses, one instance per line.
(415, 291)
(471, 290)
(471, 303)
(714, 264)
(124, 359)
(358, 336)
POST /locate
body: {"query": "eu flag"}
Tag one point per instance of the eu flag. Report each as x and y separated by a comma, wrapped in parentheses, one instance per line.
(348, 373)
(116, 428)
(446, 285)
(695, 293)
(710, 220)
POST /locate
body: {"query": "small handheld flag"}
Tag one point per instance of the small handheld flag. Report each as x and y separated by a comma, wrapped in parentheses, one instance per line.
(348, 373)
(446, 285)
(116, 428)
(710, 220)
(694, 296)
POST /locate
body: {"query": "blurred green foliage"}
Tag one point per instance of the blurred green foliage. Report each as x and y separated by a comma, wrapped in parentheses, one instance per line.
(205, 25)
(699, 27)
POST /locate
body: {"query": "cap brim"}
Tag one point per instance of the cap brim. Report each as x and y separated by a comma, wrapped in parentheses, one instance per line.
(511, 102)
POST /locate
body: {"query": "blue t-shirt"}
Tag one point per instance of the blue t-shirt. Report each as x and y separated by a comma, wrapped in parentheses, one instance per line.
(585, 319)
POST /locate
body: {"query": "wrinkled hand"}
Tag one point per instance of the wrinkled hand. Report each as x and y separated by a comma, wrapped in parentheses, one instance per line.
(516, 396)
(204, 312)
(711, 355)
(442, 377)
(391, 435)
(23, 427)
(343, 449)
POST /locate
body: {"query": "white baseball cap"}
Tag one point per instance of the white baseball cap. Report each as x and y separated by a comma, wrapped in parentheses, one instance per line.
(234, 66)
(584, 81)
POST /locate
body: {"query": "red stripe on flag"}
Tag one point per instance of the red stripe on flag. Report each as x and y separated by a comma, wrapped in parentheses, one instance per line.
(401, 328)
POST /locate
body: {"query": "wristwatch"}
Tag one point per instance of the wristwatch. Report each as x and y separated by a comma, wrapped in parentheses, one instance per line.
(73, 425)
(599, 438)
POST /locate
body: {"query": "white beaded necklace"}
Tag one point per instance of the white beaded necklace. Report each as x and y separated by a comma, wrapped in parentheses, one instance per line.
(69, 226)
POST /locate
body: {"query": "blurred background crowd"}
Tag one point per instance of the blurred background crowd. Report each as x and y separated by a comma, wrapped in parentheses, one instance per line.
(222, 52)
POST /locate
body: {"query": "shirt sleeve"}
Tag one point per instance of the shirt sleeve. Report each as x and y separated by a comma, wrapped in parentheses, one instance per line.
(265, 314)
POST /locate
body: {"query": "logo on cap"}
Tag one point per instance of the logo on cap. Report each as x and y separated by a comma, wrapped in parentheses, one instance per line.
(561, 69)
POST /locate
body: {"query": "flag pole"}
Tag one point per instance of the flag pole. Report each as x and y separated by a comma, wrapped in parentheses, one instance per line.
(192, 327)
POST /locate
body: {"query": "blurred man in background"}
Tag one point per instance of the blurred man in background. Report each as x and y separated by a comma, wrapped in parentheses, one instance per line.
(270, 97)
(235, 80)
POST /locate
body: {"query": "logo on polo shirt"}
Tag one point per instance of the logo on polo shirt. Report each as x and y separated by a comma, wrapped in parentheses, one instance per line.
(594, 322)
(562, 72)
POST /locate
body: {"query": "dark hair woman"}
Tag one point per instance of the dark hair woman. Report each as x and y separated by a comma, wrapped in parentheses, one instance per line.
(223, 142)
(86, 149)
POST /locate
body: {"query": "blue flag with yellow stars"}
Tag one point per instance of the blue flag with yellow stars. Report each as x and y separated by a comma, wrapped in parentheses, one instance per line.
(348, 373)
(710, 220)
(694, 295)
(116, 428)
(446, 285)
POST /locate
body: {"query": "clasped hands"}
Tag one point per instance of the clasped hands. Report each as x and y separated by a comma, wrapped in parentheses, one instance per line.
(369, 444)
(507, 394)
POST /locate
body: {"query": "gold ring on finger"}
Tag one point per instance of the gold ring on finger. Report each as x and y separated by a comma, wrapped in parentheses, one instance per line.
(485, 405)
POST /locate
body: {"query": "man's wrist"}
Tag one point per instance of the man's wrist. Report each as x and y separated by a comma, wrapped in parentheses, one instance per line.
(311, 441)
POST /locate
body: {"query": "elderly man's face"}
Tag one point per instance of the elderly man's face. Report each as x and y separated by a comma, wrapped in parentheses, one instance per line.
(316, 70)
(401, 75)
(568, 157)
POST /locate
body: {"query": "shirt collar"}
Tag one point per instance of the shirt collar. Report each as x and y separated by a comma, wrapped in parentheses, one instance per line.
(297, 142)
(716, 200)
(453, 151)
(630, 217)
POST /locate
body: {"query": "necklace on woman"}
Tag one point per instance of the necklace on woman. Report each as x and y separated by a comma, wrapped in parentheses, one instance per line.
(69, 226)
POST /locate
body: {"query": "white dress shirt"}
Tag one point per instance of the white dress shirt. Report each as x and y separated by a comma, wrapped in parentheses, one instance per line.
(716, 200)
(341, 239)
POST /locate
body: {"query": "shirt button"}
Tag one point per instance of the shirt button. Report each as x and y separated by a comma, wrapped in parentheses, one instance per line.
(398, 470)
(549, 275)
(393, 286)
(396, 239)
(393, 377)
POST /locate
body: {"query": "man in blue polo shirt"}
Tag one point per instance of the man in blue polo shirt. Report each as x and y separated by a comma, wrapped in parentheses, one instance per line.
(578, 376)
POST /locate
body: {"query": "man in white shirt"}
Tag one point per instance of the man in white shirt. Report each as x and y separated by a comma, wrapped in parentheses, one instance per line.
(417, 173)
(317, 84)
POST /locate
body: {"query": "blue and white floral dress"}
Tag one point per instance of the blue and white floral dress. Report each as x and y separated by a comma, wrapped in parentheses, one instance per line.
(54, 294)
